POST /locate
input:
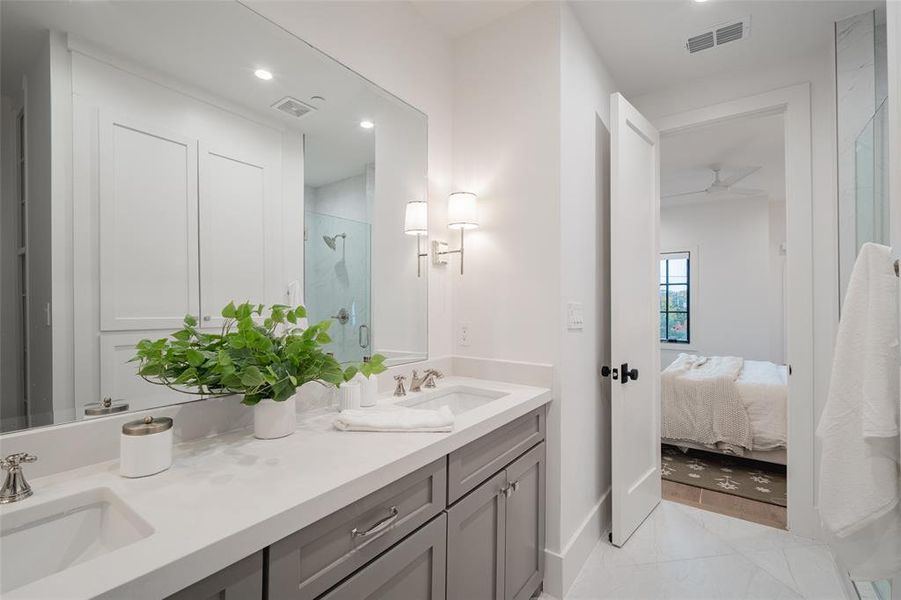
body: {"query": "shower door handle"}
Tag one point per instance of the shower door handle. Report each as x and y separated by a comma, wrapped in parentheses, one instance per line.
(360, 336)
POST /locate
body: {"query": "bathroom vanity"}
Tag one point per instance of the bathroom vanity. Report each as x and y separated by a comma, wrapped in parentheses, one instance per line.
(323, 513)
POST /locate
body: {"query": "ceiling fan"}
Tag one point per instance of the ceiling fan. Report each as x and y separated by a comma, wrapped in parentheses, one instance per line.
(724, 186)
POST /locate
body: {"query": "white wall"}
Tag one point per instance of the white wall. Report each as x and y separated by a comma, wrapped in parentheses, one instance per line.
(345, 198)
(584, 428)
(818, 70)
(736, 270)
(527, 137)
(393, 46)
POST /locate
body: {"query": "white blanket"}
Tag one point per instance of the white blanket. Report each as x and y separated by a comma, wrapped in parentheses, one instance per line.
(701, 402)
(859, 425)
(763, 389)
(396, 419)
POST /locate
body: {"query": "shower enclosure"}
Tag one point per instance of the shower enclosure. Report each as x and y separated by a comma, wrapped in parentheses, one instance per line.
(337, 258)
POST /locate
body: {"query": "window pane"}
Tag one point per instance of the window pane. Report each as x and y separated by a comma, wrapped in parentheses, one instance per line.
(662, 270)
(678, 327)
(678, 270)
(678, 298)
(662, 326)
(662, 297)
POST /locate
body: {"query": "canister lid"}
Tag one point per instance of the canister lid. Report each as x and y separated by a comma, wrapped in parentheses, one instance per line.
(147, 426)
(106, 407)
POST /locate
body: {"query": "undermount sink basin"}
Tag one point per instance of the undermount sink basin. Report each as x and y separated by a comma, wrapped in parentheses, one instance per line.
(38, 541)
(458, 399)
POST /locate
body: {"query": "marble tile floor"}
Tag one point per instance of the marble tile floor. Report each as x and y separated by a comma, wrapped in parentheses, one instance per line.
(682, 552)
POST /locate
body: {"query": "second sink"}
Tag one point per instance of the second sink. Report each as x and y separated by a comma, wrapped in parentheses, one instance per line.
(458, 398)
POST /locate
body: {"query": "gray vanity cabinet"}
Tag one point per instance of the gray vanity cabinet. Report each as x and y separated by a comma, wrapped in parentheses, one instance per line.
(495, 534)
(240, 581)
(415, 569)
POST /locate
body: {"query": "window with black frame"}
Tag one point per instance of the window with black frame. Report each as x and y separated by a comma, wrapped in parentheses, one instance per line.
(675, 322)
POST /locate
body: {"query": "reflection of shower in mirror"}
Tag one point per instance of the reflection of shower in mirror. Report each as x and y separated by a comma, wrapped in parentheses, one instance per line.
(331, 241)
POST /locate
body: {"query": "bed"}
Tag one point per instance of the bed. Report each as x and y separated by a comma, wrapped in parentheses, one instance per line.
(726, 404)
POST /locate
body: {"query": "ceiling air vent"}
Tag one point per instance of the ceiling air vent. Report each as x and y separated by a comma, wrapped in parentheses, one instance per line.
(730, 31)
(700, 42)
(293, 106)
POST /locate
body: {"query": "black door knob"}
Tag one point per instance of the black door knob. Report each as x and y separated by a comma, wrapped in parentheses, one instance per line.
(628, 373)
(608, 372)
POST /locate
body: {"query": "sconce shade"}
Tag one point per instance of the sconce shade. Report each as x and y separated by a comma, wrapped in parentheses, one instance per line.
(462, 212)
(416, 220)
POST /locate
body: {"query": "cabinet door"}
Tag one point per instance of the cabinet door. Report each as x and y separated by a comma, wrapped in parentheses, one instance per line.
(241, 581)
(148, 226)
(415, 569)
(475, 543)
(240, 231)
(524, 532)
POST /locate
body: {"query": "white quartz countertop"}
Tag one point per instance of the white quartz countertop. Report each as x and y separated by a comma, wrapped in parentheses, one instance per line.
(227, 497)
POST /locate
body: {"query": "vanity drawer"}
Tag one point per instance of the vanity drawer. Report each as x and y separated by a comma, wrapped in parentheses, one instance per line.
(306, 564)
(241, 581)
(415, 569)
(477, 461)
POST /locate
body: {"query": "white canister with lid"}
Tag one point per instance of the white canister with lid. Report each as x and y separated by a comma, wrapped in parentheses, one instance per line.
(145, 447)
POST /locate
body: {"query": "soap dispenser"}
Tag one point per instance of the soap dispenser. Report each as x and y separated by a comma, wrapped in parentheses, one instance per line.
(369, 386)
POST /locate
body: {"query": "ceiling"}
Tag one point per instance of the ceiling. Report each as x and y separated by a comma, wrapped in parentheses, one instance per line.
(686, 159)
(158, 36)
(643, 42)
(456, 18)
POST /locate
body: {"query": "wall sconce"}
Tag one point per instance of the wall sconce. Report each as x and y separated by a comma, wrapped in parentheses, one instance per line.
(462, 214)
(416, 222)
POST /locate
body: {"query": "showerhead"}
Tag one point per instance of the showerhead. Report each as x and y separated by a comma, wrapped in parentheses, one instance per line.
(331, 241)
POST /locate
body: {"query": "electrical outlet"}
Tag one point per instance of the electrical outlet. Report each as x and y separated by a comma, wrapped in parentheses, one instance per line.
(575, 315)
(463, 338)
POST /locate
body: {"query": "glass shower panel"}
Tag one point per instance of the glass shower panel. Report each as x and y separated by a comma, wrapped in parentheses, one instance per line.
(871, 181)
(337, 255)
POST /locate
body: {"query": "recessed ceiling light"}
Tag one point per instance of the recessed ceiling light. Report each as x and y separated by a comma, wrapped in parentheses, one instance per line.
(367, 124)
(263, 74)
(700, 1)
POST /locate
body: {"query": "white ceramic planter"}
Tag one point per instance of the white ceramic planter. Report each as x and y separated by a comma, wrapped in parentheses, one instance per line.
(272, 420)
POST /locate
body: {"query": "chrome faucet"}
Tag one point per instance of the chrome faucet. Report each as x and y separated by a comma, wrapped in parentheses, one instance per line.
(15, 487)
(430, 376)
(417, 381)
(399, 389)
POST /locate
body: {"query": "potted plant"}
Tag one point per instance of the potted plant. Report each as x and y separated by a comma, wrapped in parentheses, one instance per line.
(264, 358)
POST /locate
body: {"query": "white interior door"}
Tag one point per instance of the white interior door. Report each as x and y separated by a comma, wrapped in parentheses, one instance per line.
(634, 344)
(239, 231)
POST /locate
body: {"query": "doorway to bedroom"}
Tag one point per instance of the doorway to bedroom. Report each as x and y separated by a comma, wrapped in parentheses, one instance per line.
(722, 297)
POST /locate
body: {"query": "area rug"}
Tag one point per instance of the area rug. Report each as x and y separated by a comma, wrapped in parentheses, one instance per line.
(764, 482)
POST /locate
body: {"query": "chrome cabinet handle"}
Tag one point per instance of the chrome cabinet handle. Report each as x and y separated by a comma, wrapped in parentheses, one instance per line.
(380, 526)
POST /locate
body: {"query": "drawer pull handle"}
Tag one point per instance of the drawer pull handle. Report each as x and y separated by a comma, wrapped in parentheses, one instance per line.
(380, 526)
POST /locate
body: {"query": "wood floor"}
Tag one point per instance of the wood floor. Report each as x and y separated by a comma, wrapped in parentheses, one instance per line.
(726, 504)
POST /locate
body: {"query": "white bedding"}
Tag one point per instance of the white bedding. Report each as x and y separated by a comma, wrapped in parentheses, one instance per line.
(763, 389)
(733, 409)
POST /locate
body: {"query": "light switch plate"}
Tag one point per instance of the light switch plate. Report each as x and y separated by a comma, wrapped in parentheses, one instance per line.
(575, 315)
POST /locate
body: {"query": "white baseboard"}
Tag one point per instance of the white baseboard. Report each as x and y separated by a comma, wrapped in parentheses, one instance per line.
(562, 569)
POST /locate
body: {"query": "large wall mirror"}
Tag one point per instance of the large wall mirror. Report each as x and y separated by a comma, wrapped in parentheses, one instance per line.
(164, 158)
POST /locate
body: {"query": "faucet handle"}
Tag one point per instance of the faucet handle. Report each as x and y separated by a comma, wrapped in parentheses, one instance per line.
(399, 389)
(14, 460)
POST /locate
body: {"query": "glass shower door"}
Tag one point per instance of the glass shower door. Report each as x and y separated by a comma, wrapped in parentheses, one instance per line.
(337, 258)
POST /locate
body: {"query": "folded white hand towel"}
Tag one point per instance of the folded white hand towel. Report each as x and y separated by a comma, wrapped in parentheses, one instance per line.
(396, 419)
(858, 479)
